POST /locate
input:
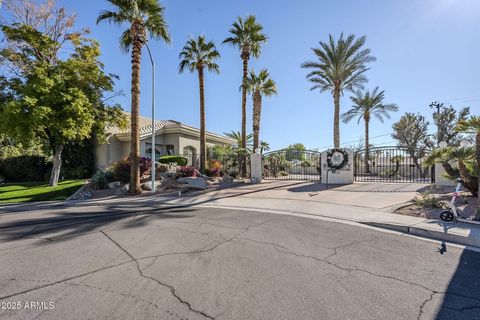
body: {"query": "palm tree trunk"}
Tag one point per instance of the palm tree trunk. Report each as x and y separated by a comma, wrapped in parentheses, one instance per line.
(257, 111)
(57, 165)
(203, 142)
(336, 117)
(134, 187)
(245, 57)
(367, 145)
(468, 181)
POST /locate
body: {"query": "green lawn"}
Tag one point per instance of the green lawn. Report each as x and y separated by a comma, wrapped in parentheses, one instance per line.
(38, 191)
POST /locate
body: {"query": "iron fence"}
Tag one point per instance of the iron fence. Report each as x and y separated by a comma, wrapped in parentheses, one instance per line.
(392, 164)
(292, 164)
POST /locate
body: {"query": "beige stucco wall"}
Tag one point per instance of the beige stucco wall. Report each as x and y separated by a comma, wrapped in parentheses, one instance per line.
(106, 154)
(114, 150)
(440, 180)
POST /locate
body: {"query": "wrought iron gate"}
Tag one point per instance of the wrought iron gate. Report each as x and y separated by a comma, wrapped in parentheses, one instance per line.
(292, 164)
(393, 164)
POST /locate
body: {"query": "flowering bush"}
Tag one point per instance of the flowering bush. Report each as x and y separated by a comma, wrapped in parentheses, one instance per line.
(121, 169)
(186, 171)
(214, 168)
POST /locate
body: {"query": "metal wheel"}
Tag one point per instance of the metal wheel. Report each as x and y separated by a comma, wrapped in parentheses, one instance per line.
(447, 216)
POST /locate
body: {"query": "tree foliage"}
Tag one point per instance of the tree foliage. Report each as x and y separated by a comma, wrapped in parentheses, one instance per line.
(55, 101)
(446, 121)
(411, 132)
(340, 66)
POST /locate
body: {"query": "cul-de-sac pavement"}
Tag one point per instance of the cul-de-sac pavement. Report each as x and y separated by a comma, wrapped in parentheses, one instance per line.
(144, 259)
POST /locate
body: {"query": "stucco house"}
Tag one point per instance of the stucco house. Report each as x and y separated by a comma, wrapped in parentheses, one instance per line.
(171, 138)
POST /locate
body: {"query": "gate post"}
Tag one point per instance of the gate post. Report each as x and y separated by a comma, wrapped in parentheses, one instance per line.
(256, 167)
(337, 166)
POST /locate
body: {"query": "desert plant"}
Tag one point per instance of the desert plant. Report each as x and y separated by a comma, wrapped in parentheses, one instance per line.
(101, 179)
(428, 200)
(214, 168)
(186, 171)
(121, 169)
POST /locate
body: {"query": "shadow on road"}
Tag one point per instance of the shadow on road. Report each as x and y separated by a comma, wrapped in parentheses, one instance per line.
(462, 298)
(67, 225)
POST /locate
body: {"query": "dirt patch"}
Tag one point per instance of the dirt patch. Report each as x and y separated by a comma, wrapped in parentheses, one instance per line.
(466, 204)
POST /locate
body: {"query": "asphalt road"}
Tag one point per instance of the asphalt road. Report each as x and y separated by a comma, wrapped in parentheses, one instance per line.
(194, 263)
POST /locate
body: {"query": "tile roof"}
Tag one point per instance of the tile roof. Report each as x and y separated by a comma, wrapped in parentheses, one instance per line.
(159, 124)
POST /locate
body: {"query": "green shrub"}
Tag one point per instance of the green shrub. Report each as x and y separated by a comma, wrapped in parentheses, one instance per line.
(427, 200)
(180, 161)
(101, 179)
(24, 168)
(283, 173)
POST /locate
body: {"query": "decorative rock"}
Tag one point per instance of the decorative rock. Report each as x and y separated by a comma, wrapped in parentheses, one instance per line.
(148, 185)
(227, 179)
(114, 184)
(194, 182)
(82, 196)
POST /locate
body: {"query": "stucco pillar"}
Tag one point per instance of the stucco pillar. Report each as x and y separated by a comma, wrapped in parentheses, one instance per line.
(337, 157)
(256, 166)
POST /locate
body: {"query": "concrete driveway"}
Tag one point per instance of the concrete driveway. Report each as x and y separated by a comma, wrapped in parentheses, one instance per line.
(194, 263)
(371, 195)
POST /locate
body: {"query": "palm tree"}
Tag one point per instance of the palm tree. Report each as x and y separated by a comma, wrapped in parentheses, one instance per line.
(198, 54)
(472, 126)
(237, 136)
(365, 106)
(142, 17)
(246, 34)
(259, 85)
(264, 146)
(341, 66)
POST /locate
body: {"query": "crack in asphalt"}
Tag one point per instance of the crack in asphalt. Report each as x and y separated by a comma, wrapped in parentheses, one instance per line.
(325, 260)
(170, 287)
(60, 281)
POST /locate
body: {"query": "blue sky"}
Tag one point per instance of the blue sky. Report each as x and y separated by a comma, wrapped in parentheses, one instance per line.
(426, 50)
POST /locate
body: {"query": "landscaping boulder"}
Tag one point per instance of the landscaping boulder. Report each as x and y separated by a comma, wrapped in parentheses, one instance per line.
(194, 182)
(114, 184)
(227, 179)
(148, 185)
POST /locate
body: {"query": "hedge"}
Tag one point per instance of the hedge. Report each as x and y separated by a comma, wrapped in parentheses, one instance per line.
(25, 168)
(180, 161)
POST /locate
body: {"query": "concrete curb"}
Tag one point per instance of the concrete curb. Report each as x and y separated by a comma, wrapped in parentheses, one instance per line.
(444, 235)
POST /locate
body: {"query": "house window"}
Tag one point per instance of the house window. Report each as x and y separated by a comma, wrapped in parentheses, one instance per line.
(170, 149)
(149, 153)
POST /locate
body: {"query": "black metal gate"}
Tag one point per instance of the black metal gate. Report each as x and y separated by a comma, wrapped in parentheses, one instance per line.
(292, 164)
(393, 164)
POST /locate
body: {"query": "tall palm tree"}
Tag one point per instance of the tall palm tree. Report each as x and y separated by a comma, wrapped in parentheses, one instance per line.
(365, 106)
(247, 35)
(259, 85)
(198, 54)
(472, 126)
(341, 65)
(141, 17)
(237, 136)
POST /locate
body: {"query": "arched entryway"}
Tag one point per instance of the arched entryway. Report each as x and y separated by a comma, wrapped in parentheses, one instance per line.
(190, 153)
